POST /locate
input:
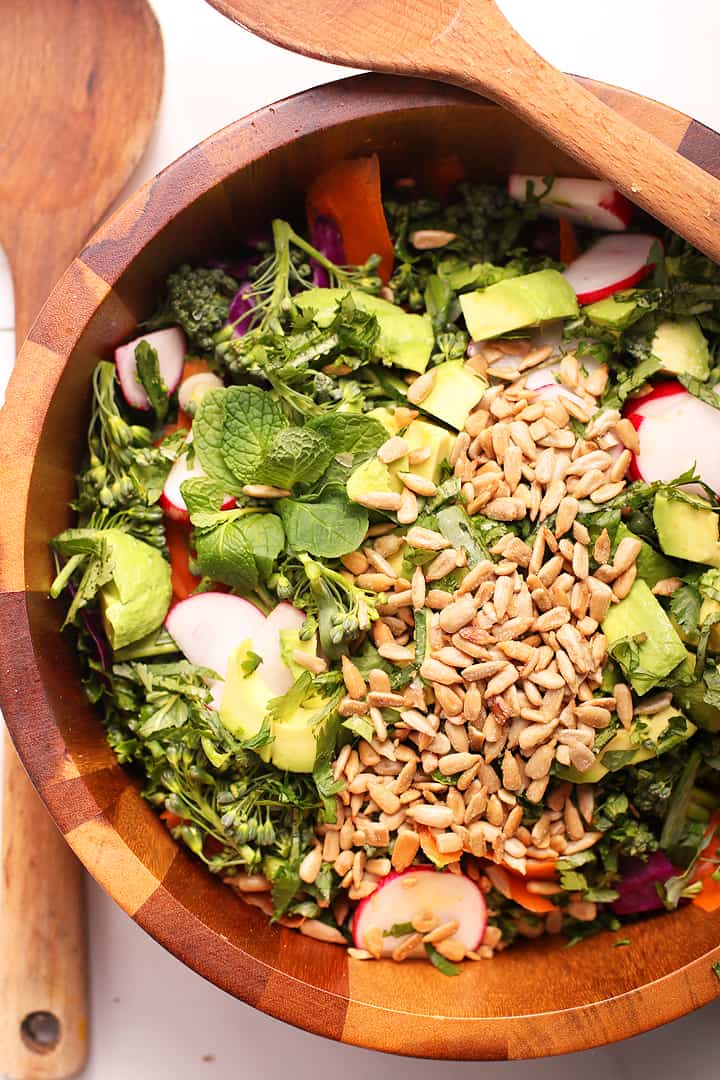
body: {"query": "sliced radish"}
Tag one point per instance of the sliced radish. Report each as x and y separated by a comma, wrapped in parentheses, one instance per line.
(170, 347)
(675, 430)
(448, 896)
(208, 627)
(195, 387)
(611, 264)
(275, 674)
(586, 202)
(172, 500)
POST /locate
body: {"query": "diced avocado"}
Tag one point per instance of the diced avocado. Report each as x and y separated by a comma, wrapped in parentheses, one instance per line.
(422, 435)
(386, 417)
(245, 698)
(456, 392)
(682, 348)
(687, 528)
(406, 340)
(374, 475)
(294, 745)
(397, 560)
(641, 618)
(644, 740)
(522, 301)
(136, 600)
(611, 313)
(651, 565)
(707, 608)
(290, 642)
(691, 700)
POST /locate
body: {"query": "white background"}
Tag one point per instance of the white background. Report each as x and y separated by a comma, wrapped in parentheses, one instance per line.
(152, 1017)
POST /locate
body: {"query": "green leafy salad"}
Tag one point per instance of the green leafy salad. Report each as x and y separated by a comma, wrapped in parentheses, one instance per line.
(395, 571)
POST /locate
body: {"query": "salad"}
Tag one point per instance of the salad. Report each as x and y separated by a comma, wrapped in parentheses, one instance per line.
(396, 571)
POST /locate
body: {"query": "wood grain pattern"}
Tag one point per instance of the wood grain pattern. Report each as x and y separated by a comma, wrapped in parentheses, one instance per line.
(78, 96)
(471, 44)
(538, 999)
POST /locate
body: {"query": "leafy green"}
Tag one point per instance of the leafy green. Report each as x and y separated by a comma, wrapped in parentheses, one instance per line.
(627, 381)
(251, 663)
(347, 433)
(328, 526)
(202, 495)
(699, 389)
(197, 299)
(294, 456)
(148, 372)
(208, 439)
(342, 609)
(251, 423)
(459, 529)
(266, 539)
(225, 554)
(399, 929)
(444, 966)
(685, 605)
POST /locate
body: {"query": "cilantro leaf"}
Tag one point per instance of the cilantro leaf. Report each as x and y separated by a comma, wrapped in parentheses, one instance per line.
(444, 966)
(251, 663)
(627, 381)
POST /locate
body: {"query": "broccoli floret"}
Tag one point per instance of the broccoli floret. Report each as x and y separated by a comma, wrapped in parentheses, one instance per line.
(343, 610)
(197, 299)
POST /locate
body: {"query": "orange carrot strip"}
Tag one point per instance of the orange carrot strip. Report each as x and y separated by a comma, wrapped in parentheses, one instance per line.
(430, 848)
(184, 582)
(349, 194)
(529, 900)
(709, 899)
(569, 247)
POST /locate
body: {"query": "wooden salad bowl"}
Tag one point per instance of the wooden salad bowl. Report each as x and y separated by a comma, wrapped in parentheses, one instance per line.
(536, 999)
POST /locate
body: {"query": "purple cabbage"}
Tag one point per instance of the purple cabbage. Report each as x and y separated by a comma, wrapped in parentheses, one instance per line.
(241, 308)
(325, 236)
(638, 884)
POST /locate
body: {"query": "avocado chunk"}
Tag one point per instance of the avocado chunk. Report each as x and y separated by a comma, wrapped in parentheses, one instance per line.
(691, 700)
(652, 566)
(245, 698)
(707, 608)
(421, 435)
(682, 348)
(647, 737)
(610, 313)
(386, 417)
(374, 475)
(294, 745)
(687, 528)
(405, 340)
(456, 392)
(136, 600)
(654, 648)
(290, 642)
(521, 301)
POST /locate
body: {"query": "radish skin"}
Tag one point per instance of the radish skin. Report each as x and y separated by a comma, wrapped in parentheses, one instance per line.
(612, 263)
(448, 896)
(594, 203)
(170, 347)
(207, 627)
(675, 430)
(172, 500)
(195, 387)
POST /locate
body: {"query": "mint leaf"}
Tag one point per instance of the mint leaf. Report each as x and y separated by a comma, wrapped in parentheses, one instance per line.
(265, 536)
(348, 433)
(208, 427)
(327, 527)
(202, 495)
(295, 455)
(149, 377)
(224, 554)
(252, 420)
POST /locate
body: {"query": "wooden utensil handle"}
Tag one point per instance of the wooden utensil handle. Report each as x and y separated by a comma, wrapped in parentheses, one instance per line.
(43, 993)
(482, 52)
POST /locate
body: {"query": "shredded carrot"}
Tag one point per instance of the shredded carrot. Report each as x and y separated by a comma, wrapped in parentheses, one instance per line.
(349, 194)
(194, 365)
(529, 900)
(540, 870)
(442, 174)
(709, 899)
(569, 247)
(177, 535)
(430, 848)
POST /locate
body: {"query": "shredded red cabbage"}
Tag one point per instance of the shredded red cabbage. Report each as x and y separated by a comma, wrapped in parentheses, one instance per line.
(638, 885)
(325, 236)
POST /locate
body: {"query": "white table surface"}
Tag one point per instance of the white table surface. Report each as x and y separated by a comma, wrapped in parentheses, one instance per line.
(152, 1018)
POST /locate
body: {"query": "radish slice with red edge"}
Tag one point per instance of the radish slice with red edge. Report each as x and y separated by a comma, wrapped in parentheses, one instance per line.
(611, 264)
(172, 500)
(275, 674)
(193, 389)
(448, 896)
(209, 626)
(170, 347)
(585, 202)
(675, 430)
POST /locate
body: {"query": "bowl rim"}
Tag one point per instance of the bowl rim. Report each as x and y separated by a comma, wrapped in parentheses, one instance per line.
(50, 342)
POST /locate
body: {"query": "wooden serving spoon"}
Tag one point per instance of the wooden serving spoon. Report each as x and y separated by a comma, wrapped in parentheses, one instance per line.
(471, 43)
(79, 93)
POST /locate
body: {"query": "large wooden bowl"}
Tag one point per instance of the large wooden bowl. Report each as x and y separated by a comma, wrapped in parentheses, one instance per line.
(534, 1000)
